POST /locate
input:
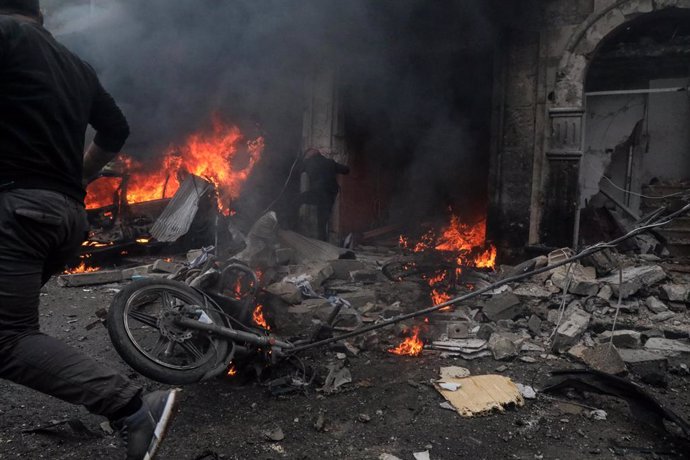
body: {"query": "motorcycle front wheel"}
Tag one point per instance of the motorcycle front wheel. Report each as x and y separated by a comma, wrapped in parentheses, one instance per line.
(141, 324)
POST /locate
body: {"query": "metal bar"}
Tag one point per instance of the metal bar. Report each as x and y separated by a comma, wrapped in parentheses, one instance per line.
(232, 333)
(512, 279)
(636, 91)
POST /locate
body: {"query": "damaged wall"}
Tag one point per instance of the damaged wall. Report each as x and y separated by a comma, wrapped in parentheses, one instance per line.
(568, 36)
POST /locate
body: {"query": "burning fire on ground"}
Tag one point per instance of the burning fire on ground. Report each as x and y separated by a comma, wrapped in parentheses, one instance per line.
(223, 156)
(467, 246)
(411, 346)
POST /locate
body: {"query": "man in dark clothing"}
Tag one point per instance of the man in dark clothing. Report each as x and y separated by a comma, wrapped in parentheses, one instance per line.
(323, 187)
(47, 98)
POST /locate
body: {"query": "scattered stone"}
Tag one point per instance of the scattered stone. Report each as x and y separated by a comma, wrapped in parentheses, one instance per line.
(675, 292)
(532, 290)
(502, 368)
(343, 267)
(634, 279)
(655, 305)
(660, 317)
(570, 331)
(274, 435)
(365, 276)
(454, 372)
(421, 455)
(504, 306)
(606, 292)
(485, 331)
(597, 414)
(363, 418)
(316, 274)
(534, 325)
(604, 358)
(666, 345)
(583, 280)
(107, 429)
(360, 298)
(449, 386)
(603, 261)
(677, 307)
(320, 422)
(552, 316)
(166, 266)
(526, 391)
(528, 359)
(287, 292)
(650, 367)
(622, 339)
(447, 405)
(503, 346)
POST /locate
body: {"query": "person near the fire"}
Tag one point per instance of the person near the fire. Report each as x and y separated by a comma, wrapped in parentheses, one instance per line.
(48, 96)
(323, 188)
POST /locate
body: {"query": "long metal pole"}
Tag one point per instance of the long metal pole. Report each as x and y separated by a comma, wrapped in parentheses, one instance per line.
(588, 251)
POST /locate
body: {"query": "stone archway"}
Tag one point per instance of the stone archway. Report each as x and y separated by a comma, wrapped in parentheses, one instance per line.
(559, 223)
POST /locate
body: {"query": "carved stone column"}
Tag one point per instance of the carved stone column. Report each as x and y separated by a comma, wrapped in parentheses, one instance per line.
(561, 193)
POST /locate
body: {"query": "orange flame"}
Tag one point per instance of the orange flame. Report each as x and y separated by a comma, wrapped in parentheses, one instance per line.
(411, 346)
(221, 156)
(259, 319)
(232, 371)
(81, 268)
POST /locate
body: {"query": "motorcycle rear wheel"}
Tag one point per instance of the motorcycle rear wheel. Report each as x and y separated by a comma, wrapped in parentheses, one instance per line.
(143, 331)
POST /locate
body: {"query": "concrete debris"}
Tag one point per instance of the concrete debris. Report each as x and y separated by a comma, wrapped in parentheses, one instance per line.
(288, 292)
(526, 391)
(661, 317)
(504, 306)
(606, 292)
(634, 279)
(675, 292)
(365, 276)
(649, 366)
(604, 358)
(622, 339)
(504, 346)
(534, 325)
(453, 372)
(466, 348)
(667, 346)
(532, 290)
(450, 386)
(570, 331)
(274, 435)
(655, 305)
(421, 455)
(597, 414)
(583, 280)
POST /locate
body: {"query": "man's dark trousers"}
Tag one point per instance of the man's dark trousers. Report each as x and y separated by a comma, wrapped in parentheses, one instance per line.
(40, 231)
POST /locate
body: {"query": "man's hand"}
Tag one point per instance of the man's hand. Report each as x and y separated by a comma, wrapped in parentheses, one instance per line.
(95, 159)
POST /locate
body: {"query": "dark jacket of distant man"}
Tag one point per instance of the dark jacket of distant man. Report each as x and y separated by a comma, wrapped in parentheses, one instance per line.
(323, 186)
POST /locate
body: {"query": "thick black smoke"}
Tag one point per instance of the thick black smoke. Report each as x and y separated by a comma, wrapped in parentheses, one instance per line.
(404, 66)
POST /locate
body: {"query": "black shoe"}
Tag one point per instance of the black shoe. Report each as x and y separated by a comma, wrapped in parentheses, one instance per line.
(144, 430)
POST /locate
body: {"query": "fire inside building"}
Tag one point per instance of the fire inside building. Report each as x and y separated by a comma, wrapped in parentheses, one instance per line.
(366, 225)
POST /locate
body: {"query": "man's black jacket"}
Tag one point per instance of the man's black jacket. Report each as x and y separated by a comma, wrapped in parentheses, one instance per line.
(47, 98)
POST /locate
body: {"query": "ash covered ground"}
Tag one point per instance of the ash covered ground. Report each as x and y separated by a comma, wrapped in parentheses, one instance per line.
(391, 407)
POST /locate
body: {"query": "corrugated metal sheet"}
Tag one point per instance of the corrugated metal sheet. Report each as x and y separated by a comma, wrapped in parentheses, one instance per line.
(177, 217)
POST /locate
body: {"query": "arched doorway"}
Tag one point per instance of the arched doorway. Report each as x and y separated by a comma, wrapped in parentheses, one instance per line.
(592, 63)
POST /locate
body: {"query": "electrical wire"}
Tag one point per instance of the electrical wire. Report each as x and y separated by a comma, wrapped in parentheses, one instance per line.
(683, 193)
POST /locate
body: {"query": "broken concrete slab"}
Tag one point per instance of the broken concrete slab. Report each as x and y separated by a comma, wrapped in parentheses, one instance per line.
(366, 276)
(663, 316)
(504, 306)
(532, 290)
(504, 346)
(605, 292)
(166, 266)
(90, 279)
(570, 331)
(288, 292)
(667, 345)
(622, 339)
(582, 279)
(655, 305)
(651, 367)
(675, 292)
(360, 298)
(343, 267)
(634, 279)
(316, 274)
(534, 325)
(604, 358)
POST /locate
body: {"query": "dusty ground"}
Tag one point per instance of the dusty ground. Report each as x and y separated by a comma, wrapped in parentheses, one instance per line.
(227, 419)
